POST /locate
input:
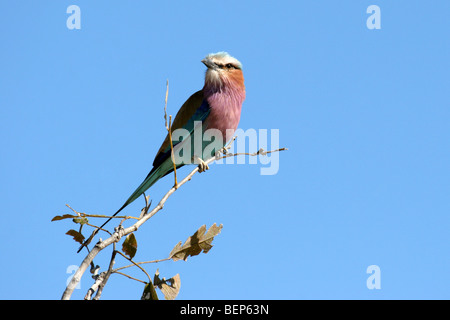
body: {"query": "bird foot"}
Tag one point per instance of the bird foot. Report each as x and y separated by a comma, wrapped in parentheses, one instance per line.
(202, 165)
(224, 150)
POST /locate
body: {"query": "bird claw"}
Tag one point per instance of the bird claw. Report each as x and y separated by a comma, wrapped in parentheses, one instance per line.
(202, 165)
(224, 151)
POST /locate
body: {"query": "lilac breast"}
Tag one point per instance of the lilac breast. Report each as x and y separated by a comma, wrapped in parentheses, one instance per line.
(225, 111)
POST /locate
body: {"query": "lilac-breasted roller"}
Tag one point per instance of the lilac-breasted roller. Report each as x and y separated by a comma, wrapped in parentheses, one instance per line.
(217, 106)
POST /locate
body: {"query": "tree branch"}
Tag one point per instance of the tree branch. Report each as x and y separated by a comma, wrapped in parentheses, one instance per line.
(145, 214)
(142, 262)
(169, 130)
(121, 232)
(107, 274)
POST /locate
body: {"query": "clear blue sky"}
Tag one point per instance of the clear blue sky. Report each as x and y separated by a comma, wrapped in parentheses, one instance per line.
(365, 115)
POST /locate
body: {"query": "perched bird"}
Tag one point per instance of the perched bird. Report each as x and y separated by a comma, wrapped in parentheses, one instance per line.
(217, 106)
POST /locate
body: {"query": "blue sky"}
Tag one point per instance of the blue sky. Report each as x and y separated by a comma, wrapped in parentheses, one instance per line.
(364, 113)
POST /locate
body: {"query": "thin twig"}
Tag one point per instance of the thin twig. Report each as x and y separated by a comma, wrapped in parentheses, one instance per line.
(88, 215)
(169, 130)
(142, 262)
(108, 217)
(137, 265)
(172, 155)
(147, 206)
(259, 152)
(130, 277)
(78, 213)
(96, 227)
(165, 103)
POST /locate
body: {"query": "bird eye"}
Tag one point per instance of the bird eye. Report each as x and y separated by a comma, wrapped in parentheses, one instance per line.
(229, 66)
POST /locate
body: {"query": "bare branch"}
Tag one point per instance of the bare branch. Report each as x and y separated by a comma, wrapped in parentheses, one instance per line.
(95, 286)
(130, 277)
(98, 280)
(137, 265)
(120, 232)
(172, 155)
(165, 104)
(142, 262)
(107, 274)
(169, 130)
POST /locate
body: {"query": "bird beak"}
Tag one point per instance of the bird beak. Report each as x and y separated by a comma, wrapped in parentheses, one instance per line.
(207, 62)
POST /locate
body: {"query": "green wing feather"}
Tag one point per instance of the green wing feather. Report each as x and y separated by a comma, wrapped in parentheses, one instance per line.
(194, 109)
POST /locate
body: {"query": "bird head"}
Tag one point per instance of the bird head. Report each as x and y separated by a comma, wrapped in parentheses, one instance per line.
(223, 69)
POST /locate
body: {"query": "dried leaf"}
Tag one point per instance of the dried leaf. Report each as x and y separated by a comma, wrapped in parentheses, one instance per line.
(129, 246)
(169, 287)
(64, 216)
(78, 237)
(149, 292)
(196, 243)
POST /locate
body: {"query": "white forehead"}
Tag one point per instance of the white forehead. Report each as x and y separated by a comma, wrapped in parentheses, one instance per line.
(223, 58)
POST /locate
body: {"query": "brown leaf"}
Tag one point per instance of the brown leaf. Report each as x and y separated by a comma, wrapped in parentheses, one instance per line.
(169, 287)
(129, 246)
(78, 237)
(196, 243)
(149, 292)
(64, 216)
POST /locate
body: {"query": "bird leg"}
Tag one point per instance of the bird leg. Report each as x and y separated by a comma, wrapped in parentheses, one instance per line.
(202, 166)
(224, 151)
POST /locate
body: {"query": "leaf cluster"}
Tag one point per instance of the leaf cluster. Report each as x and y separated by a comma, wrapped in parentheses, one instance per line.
(200, 241)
